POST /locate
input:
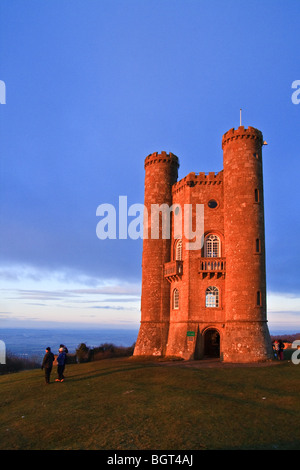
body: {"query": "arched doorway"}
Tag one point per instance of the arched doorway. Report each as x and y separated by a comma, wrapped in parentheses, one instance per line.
(211, 343)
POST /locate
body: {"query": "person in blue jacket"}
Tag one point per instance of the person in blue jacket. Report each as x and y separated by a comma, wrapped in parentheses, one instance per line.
(60, 365)
(66, 352)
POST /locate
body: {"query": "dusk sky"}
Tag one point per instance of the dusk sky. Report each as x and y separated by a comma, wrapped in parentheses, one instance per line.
(93, 87)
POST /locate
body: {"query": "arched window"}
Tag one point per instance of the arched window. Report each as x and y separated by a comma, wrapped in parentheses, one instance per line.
(178, 250)
(212, 297)
(212, 247)
(175, 299)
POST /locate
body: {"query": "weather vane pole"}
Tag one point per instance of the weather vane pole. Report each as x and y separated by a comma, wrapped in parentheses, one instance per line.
(240, 116)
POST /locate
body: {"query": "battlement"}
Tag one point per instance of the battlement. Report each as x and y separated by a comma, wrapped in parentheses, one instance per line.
(192, 179)
(162, 157)
(242, 133)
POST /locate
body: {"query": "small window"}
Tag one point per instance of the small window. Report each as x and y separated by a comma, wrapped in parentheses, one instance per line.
(178, 250)
(212, 204)
(256, 195)
(212, 297)
(175, 299)
(258, 298)
(258, 245)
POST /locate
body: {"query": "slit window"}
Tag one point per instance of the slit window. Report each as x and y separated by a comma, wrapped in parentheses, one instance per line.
(258, 245)
(256, 195)
(258, 298)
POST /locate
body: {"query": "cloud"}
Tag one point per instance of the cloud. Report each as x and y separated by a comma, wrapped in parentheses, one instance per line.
(39, 295)
(108, 307)
(123, 289)
(30, 283)
(76, 295)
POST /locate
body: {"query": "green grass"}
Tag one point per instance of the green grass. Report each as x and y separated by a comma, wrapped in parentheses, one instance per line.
(120, 404)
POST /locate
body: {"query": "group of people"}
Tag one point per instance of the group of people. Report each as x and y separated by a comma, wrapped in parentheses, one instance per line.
(49, 359)
(278, 347)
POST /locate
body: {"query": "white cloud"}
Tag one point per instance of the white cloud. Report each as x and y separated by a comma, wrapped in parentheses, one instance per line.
(28, 293)
(283, 311)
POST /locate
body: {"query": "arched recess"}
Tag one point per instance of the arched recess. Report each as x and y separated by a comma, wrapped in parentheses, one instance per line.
(211, 337)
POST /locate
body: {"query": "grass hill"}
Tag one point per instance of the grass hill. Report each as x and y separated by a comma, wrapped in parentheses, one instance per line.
(134, 404)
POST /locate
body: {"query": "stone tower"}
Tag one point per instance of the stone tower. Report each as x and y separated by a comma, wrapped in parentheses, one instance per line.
(247, 335)
(210, 301)
(161, 172)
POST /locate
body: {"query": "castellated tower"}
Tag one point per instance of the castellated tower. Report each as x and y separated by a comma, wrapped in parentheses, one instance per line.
(161, 172)
(209, 301)
(247, 335)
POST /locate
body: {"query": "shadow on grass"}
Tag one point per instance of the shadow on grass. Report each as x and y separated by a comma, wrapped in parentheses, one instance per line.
(105, 372)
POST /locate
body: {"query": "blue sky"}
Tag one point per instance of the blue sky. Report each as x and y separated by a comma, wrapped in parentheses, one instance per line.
(93, 87)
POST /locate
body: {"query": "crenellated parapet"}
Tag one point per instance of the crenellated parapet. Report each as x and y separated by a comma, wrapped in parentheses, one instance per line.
(202, 178)
(162, 157)
(242, 133)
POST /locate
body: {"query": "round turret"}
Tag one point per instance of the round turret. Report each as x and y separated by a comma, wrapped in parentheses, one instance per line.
(161, 172)
(247, 335)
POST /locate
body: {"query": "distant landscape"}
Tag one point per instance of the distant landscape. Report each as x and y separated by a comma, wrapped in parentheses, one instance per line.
(286, 338)
(32, 342)
(25, 348)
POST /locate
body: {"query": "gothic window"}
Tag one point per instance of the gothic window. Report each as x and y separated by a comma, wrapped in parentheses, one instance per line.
(178, 250)
(212, 297)
(175, 300)
(212, 246)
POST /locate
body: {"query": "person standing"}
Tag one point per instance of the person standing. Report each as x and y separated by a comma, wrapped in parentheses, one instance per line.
(280, 350)
(66, 352)
(60, 365)
(47, 364)
(276, 348)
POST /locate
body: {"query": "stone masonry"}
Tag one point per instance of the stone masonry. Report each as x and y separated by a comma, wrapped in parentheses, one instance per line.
(208, 302)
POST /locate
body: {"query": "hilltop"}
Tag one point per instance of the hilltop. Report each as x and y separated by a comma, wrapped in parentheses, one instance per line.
(134, 404)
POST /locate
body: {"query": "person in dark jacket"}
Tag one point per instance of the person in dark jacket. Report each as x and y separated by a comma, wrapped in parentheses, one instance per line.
(47, 364)
(280, 350)
(60, 365)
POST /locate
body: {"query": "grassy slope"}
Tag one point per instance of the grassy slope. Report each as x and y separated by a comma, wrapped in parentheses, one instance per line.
(133, 404)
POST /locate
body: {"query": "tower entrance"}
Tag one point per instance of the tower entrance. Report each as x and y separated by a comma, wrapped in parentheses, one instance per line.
(211, 343)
